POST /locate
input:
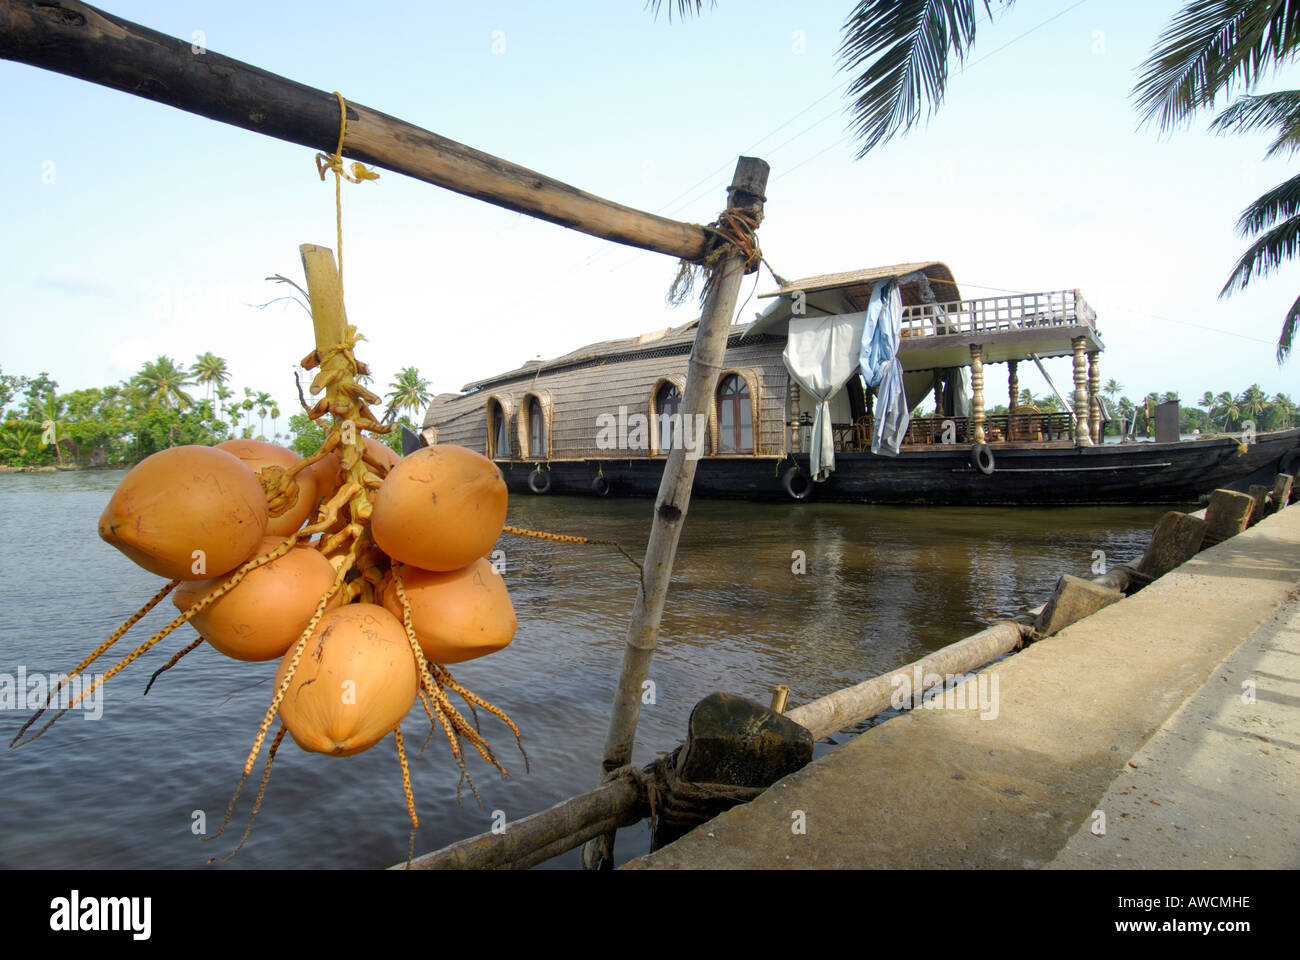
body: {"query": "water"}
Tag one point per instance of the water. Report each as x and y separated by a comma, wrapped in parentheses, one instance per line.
(883, 586)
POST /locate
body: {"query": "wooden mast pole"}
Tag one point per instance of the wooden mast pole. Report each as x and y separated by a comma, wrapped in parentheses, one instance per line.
(80, 41)
(747, 194)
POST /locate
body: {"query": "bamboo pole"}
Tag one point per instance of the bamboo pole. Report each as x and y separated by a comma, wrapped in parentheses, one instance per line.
(746, 191)
(81, 41)
(618, 803)
(543, 835)
(843, 708)
(327, 313)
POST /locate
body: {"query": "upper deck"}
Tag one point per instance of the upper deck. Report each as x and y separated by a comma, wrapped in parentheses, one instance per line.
(939, 326)
(1012, 327)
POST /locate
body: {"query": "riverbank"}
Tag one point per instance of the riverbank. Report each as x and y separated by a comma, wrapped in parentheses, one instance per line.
(69, 468)
(1074, 732)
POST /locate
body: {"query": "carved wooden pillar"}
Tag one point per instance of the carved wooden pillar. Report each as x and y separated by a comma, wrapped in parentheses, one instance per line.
(1013, 383)
(1094, 392)
(1081, 435)
(977, 393)
(796, 437)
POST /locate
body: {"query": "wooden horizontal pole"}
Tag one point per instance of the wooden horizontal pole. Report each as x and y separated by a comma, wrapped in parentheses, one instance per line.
(81, 41)
(851, 705)
(544, 835)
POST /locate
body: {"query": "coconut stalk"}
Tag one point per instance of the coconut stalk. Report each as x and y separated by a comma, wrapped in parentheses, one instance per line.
(723, 285)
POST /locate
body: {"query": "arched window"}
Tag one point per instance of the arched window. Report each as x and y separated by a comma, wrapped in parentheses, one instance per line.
(668, 407)
(536, 429)
(498, 432)
(735, 416)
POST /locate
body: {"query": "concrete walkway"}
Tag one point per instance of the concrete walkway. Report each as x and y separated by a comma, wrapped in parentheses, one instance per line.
(1136, 712)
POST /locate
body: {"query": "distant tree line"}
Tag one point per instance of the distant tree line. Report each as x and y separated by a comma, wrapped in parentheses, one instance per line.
(157, 407)
(1224, 412)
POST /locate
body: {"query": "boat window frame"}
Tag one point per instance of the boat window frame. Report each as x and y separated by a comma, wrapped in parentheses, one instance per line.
(750, 379)
(524, 424)
(678, 382)
(505, 404)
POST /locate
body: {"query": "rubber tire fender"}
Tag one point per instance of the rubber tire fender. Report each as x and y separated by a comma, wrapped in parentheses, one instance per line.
(539, 481)
(981, 458)
(600, 485)
(788, 481)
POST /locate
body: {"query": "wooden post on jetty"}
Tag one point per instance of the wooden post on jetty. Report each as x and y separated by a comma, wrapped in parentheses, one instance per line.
(1227, 515)
(746, 194)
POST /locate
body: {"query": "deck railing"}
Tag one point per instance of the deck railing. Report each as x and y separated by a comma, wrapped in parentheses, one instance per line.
(1053, 308)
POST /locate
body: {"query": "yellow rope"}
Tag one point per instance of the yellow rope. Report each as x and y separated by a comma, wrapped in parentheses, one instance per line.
(335, 162)
(539, 535)
(566, 538)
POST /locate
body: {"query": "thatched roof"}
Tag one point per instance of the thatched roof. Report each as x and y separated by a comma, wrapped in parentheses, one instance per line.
(667, 340)
(854, 286)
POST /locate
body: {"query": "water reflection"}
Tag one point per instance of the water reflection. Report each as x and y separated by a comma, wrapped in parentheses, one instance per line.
(883, 585)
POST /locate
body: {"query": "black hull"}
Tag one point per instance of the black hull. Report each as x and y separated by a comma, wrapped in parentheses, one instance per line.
(1112, 473)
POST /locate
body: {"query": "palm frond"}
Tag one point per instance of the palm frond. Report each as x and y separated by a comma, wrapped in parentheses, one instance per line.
(1290, 325)
(910, 41)
(1279, 110)
(1209, 48)
(1280, 203)
(1265, 255)
(684, 8)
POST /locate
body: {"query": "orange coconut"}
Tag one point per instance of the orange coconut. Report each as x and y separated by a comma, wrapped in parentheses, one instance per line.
(355, 682)
(187, 512)
(439, 509)
(257, 455)
(379, 452)
(261, 616)
(325, 472)
(457, 615)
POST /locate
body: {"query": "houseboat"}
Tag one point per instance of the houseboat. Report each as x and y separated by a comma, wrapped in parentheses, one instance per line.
(601, 420)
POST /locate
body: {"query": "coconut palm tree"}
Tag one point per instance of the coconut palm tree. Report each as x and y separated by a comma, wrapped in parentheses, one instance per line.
(162, 380)
(223, 394)
(211, 370)
(1254, 402)
(275, 415)
(899, 51)
(20, 441)
(1229, 408)
(1286, 410)
(247, 405)
(410, 392)
(263, 403)
(1112, 387)
(1216, 47)
(47, 412)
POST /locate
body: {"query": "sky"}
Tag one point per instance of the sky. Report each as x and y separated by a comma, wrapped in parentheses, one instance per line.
(132, 229)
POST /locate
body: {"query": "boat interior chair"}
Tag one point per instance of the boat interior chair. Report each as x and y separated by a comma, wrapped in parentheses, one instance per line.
(863, 426)
(1025, 422)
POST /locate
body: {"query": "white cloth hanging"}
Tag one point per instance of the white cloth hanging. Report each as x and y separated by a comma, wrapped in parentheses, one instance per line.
(821, 355)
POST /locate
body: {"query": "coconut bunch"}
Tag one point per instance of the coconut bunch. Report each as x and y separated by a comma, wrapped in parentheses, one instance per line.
(364, 573)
